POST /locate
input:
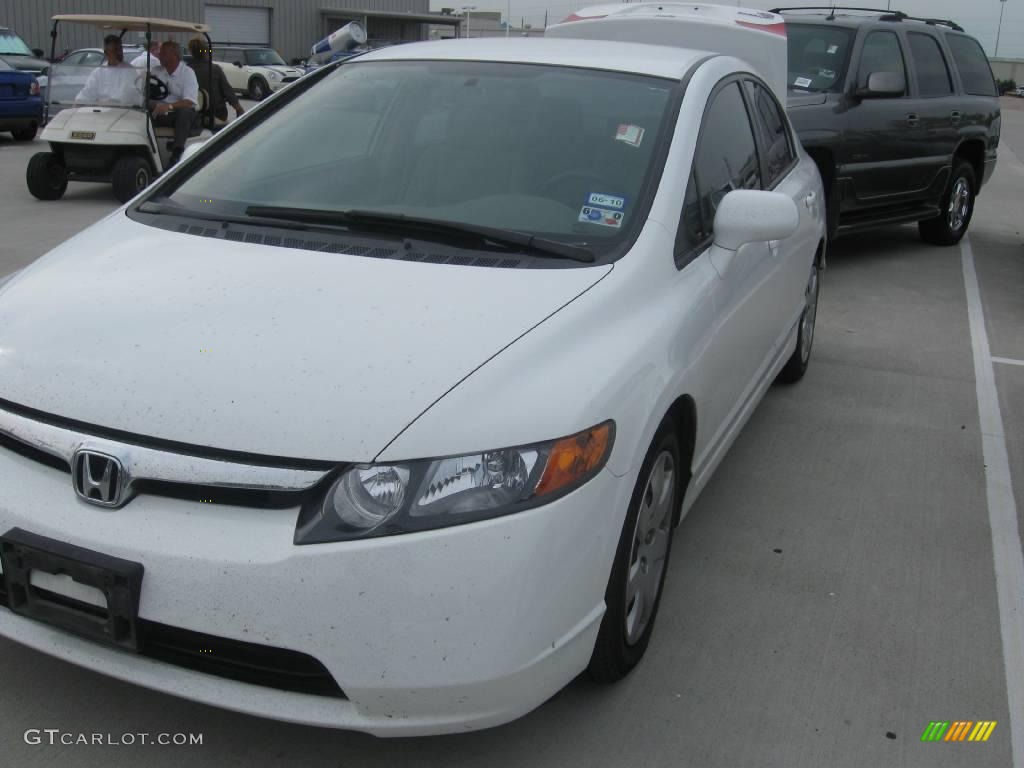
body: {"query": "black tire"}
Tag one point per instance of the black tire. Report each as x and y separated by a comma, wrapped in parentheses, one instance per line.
(951, 224)
(131, 175)
(796, 366)
(28, 133)
(614, 653)
(46, 176)
(258, 89)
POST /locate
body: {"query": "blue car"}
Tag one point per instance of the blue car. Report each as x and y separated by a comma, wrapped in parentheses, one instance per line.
(21, 108)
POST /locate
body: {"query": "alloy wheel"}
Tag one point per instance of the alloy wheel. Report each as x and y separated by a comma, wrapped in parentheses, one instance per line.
(650, 546)
(810, 314)
(959, 204)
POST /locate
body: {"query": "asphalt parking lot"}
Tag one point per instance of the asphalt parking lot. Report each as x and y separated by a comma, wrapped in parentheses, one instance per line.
(849, 575)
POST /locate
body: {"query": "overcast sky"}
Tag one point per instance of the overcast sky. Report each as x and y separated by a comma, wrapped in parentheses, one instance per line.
(979, 17)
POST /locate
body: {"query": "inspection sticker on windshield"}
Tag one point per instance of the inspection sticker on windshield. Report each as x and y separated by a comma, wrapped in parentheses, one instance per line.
(606, 201)
(601, 216)
(802, 82)
(629, 133)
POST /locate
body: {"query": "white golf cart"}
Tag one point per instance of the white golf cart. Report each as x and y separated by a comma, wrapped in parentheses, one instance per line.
(115, 141)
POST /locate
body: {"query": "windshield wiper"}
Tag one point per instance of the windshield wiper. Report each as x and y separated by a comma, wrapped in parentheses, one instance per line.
(507, 238)
(173, 209)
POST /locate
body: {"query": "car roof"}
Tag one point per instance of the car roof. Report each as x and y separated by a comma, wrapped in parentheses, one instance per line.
(638, 58)
(857, 17)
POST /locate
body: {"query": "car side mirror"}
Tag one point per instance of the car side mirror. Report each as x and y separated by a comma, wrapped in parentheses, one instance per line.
(237, 63)
(884, 85)
(752, 216)
(38, 53)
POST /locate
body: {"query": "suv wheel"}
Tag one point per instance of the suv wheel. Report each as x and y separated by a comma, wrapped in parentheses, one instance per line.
(258, 89)
(957, 208)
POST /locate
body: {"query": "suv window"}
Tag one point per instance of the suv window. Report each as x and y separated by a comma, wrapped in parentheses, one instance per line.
(929, 65)
(881, 53)
(725, 159)
(817, 56)
(771, 125)
(973, 65)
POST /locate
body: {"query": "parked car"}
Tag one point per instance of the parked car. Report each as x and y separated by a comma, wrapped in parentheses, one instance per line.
(17, 54)
(402, 382)
(255, 72)
(21, 109)
(900, 114)
(1019, 90)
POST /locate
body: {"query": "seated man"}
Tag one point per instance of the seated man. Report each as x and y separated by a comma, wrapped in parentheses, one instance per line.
(178, 109)
(218, 90)
(114, 82)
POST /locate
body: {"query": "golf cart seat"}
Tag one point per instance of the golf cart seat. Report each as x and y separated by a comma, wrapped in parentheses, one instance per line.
(167, 131)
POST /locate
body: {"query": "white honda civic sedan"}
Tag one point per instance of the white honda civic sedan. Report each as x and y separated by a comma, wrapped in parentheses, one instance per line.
(380, 410)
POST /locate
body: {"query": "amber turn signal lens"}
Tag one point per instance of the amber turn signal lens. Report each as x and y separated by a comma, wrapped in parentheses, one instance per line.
(574, 457)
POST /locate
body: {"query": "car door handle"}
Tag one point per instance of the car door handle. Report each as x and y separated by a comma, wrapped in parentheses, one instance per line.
(912, 119)
(955, 117)
(809, 200)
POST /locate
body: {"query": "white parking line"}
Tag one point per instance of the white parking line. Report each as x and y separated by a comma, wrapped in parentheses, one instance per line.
(1002, 510)
(1007, 361)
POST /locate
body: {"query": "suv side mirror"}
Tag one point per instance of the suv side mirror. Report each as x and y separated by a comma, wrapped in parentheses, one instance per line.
(752, 215)
(38, 53)
(237, 63)
(884, 85)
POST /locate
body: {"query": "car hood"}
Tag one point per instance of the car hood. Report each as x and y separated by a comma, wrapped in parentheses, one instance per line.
(252, 347)
(26, 63)
(284, 71)
(804, 99)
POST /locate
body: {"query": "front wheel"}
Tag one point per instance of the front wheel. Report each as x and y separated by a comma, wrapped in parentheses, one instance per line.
(796, 366)
(957, 208)
(258, 89)
(130, 176)
(46, 176)
(641, 561)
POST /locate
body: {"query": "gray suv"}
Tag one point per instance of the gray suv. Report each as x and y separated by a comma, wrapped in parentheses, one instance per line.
(901, 115)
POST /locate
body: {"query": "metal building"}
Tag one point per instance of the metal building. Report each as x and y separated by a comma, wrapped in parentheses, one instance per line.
(290, 26)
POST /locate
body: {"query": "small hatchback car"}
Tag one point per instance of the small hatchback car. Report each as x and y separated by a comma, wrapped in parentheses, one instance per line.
(378, 412)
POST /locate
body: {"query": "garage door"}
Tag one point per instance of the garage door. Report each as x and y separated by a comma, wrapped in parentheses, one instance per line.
(235, 25)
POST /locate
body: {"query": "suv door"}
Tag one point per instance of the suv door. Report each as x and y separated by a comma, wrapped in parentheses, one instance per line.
(939, 118)
(879, 150)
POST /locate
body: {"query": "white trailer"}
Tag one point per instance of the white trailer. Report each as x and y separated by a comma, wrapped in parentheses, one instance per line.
(756, 37)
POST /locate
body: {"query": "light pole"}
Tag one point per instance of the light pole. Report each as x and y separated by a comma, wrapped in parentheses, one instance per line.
(508, 17)
(999, 29)
(466, 9)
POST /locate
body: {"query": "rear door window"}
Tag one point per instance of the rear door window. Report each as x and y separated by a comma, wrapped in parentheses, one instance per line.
(972, 63)
(929, 65)
(881, 53)
(771, 125)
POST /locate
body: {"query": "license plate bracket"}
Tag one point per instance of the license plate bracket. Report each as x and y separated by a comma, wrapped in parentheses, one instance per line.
(22, 552)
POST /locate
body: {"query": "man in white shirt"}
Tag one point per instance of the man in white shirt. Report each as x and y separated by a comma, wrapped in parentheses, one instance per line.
(178, 108)
(114, 82)
(153, 54)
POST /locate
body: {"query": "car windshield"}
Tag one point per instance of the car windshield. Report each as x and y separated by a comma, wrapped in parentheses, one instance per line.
(12, 45)
(263, 57)
(818, 56)
(558, 152)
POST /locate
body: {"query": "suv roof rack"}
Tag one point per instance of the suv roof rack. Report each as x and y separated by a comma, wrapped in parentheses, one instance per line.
(887, 15)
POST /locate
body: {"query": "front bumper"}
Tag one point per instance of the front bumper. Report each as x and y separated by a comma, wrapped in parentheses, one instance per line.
(445, 631)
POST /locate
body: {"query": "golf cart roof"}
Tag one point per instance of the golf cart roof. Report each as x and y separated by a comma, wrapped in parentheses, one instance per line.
(132, 23)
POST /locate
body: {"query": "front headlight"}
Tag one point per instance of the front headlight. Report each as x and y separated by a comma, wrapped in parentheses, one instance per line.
(370, 500)
(272, 75)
